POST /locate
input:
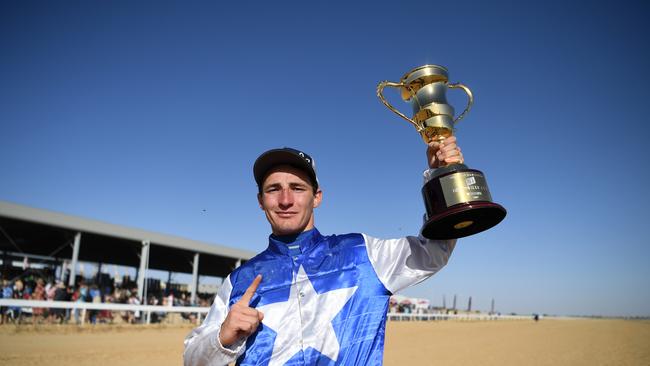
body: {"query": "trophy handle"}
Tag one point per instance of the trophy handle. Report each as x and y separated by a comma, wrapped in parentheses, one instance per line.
(470, 99)
(380, 94)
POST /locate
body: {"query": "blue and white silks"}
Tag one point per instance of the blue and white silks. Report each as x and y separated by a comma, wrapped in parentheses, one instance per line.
(324, 299)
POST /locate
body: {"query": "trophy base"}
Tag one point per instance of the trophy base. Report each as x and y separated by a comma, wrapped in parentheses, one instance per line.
(463, 220)
(458, 204)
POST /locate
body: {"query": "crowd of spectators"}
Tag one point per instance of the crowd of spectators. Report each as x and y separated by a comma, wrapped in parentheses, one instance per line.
(410, 307)
(124, 292)
(38, 288)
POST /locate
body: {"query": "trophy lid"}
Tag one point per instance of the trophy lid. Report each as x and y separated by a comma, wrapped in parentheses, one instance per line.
(421, 76)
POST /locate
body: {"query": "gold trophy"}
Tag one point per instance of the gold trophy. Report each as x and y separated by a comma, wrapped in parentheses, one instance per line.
(457, 199)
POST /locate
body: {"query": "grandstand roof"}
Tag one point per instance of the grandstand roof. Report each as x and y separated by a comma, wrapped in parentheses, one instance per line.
(46, 233)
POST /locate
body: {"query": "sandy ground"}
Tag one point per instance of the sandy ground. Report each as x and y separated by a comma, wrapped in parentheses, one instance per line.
(548, 342)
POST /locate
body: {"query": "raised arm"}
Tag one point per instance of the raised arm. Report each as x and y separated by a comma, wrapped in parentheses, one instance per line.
(403, 262)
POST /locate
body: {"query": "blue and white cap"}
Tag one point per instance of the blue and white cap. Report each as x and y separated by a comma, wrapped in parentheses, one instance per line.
(284, 156)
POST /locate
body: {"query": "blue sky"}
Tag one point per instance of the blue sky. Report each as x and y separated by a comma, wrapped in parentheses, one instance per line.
(151, 114)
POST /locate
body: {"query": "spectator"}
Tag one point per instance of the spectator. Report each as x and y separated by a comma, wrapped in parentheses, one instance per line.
(50, 290)
(7, 293)
(156, 316)
(133, 316)
(18, 293)
(38, 295)
(80, 296)
(106, 316)
(60, 294)
(95, 296)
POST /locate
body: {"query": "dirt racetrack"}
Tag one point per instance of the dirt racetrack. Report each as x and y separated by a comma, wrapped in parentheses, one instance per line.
(548, 342)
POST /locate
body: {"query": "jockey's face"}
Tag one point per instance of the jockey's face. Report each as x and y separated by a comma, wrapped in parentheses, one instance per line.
(288, 200)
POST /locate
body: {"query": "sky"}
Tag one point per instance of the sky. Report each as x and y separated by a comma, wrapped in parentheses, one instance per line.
(150, 115)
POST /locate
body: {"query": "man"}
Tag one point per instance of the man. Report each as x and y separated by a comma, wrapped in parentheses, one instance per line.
(310, 299)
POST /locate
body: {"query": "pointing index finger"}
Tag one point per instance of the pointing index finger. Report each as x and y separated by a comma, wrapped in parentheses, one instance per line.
(250, 291)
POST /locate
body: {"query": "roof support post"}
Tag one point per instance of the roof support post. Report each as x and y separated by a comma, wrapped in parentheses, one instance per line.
(195, 277)
(142, 270)
(58, 270)
(5, 264)
(98, 274)
(168, 287)
(75, 259)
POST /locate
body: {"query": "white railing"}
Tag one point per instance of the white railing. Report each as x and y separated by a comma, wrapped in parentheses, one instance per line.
(84, 306)
(200, 311)
(461, 316)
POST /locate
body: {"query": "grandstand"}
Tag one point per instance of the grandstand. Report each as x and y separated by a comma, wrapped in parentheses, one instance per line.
(49, 240)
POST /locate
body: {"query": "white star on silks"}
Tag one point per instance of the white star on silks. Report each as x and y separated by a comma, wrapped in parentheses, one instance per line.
(305, 320)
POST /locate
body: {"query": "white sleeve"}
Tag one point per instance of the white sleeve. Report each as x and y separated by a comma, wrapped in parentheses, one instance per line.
(202, 345)
(400, 263)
